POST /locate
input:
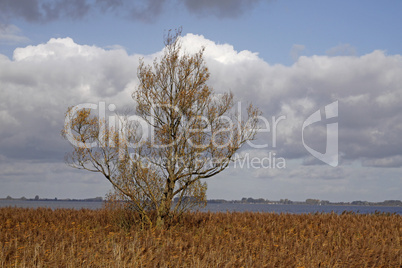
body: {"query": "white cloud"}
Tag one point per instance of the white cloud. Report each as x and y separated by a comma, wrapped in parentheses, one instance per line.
(41, 81)
(391, 161)
(367, 88)
(223, 53)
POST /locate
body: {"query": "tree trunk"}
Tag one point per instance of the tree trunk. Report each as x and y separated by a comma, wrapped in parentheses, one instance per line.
(165, 208)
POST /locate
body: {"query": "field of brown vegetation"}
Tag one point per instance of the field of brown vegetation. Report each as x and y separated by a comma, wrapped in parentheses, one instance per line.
(101, 238)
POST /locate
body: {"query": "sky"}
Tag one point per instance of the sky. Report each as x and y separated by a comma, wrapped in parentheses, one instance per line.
(295, 60)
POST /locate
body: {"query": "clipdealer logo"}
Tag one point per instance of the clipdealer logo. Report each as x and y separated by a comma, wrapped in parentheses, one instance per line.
(327, 115)
(331, 154)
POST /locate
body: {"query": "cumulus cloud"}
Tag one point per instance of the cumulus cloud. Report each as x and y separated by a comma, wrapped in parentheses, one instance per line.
(367, 88)
(222, 53)
(390, 161)
(41, 81)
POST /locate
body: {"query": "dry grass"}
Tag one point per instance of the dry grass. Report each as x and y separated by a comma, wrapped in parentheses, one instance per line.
(91, 238)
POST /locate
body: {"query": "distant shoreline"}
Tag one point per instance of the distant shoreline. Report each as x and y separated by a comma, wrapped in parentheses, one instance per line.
(387, 203)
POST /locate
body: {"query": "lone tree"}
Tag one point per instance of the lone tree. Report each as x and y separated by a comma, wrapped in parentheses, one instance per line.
(181, 134)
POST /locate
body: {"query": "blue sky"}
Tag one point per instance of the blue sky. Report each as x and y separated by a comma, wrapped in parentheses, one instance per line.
(289, 57)
(270, 28)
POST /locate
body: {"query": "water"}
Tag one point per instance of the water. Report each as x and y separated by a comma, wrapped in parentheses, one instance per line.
(299, 209)
(214, 207)
(51, 204)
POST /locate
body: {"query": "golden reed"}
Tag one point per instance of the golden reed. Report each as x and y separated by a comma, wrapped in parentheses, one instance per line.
(104, 238)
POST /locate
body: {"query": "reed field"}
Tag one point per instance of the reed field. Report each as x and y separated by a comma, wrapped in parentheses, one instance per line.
(105, 238)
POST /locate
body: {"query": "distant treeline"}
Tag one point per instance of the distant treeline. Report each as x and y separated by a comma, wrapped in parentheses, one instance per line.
(244, 200)
(309, 201)
(37, 198)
